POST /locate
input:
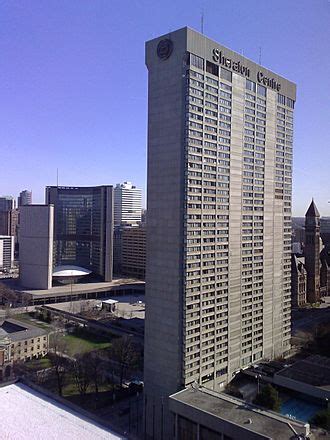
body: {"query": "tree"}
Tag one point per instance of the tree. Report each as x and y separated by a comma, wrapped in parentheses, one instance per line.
(94, 368)
(233, 391)
(123, 352)
(8, 297)
(268, 398)
(320, 343)
(25, 300)
(321, 419)
(57, 347)
(81, 373)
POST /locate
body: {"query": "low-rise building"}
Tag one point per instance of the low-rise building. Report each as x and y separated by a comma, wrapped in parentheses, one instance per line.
(20, 342)
(6, 361)
(203, 414)
(310, 376)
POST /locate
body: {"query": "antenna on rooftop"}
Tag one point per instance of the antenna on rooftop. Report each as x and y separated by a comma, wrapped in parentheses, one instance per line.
(56, 176)
(202, 21)
(260, 54)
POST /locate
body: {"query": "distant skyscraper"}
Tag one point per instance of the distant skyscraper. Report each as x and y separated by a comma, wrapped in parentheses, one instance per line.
(127, 204)
(25, 198)
(312, 253)
(9, 222)
(83, 227)
(6, 203)
(8, 216)
(7, 246)
(218, 272)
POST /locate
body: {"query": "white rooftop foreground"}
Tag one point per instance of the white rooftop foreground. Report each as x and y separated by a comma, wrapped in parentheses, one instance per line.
(27, 414)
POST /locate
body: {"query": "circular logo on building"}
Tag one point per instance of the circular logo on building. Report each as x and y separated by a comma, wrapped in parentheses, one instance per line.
(164, 49)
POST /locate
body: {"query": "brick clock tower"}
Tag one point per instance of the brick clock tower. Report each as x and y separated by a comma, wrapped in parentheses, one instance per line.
(312, 253)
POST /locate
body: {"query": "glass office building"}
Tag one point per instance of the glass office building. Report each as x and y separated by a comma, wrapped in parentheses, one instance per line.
(83, 224)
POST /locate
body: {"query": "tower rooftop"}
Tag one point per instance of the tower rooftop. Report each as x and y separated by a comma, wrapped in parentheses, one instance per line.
(312, 211)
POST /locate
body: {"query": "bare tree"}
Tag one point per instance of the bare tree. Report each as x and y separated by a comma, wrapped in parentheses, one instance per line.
(8, 296)
(81, 373)
(18, 368)
(25, 300)
(57, 348)
(94, 368)
(122, 351)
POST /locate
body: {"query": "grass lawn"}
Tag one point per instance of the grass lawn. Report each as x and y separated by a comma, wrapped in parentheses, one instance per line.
(38, 364)
(70, 389)
(83, 342)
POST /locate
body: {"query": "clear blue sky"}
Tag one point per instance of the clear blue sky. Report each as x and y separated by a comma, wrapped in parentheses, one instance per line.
(73, 84)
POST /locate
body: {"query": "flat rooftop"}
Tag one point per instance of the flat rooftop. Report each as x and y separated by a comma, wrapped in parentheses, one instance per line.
(238, 412)
(27, 414)
(126, 306)
(81, 288)
(19, 331)
(314, 370)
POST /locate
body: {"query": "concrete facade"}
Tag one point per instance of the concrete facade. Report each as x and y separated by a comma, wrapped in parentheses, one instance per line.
(218, 289)
(36, 246)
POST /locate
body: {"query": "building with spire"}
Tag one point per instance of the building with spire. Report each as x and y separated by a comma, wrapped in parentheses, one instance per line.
(312, 252)
(310, 274)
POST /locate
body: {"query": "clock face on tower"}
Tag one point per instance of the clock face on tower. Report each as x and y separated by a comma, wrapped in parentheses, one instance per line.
(164, 49)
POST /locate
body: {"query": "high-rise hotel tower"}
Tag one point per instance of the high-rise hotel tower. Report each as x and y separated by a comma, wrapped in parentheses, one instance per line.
(220, 131)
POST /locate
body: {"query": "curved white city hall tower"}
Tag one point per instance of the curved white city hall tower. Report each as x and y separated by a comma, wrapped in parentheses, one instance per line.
(220, 131)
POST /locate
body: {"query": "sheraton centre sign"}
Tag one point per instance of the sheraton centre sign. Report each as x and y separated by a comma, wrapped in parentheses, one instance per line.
(237, 66)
